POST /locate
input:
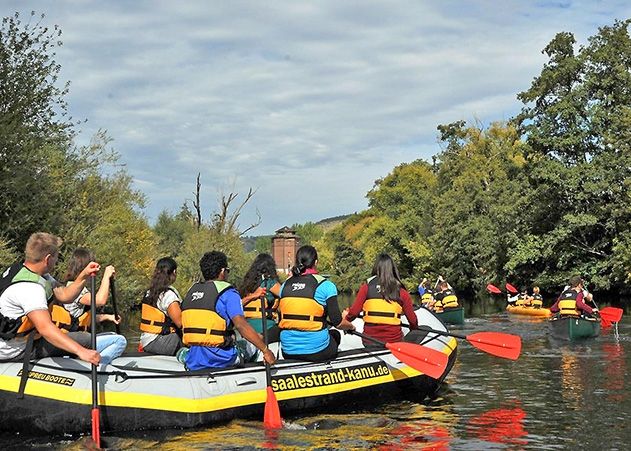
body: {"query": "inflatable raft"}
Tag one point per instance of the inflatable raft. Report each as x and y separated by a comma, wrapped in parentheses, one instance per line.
(529, 311)
(152, 392)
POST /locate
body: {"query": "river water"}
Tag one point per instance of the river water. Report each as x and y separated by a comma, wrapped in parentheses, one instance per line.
(558, 395)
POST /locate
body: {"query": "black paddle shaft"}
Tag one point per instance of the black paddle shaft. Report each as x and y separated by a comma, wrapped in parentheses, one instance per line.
(113, 291)
(268, 372)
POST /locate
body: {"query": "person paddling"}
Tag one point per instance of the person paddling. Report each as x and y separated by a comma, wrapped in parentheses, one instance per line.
(571, 302)
(383, 299)
(308, 302)
(76, 315)
(161, 318)
(25, 291)
(211, 310)
(261, 280)
(445, 298)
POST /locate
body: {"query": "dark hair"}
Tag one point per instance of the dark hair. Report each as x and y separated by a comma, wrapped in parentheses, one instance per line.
(212, 263)
(443, 284)
(575, 281)
(388, 276)
(306, 257)
(161, 279)
(78, 261)
(263, 265)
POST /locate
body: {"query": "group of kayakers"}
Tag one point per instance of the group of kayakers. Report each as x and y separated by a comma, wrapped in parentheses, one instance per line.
(574, 300)
(439, 298)
(214, 325)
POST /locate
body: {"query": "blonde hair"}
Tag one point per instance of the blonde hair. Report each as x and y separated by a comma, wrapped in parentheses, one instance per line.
(41, 244)
(535, 290)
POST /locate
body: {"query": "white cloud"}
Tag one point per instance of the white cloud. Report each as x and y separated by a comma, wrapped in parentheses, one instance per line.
(308, 101)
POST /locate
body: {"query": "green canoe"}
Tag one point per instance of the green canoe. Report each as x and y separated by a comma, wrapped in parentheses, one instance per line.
(573, 328)
(452, 316)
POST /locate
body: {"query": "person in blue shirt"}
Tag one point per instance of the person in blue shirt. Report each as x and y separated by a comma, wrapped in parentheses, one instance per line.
(211, 310)
(308, 303)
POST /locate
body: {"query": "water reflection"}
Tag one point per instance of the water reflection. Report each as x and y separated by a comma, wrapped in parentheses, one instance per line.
(500, 426)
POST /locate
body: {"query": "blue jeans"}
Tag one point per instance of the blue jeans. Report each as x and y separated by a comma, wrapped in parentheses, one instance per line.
(110, 346)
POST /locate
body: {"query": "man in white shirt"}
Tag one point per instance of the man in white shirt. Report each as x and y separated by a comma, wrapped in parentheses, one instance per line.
(25, 290)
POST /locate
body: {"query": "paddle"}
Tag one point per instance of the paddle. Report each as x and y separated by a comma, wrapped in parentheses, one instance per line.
(498, 344)
(493, 289)
(271, 414)
(611, 314)
(113, 291)
(511, 288)
(96, 434)
(426, 360)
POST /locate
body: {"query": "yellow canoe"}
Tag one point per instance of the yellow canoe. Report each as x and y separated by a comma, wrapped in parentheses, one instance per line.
(530, 311)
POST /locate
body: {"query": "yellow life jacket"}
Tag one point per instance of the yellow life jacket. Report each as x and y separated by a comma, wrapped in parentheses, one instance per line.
(298, 309)
(446, 299)
(379, 311)
(427, 297)
(521, 300)
(201, 324)
(252, 309)
(537, 301)
(567, 303)
(153, 320)
(20, 326)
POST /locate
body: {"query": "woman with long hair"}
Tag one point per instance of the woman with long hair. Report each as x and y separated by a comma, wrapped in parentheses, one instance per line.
(308, 304)
(382, 299)
(75, 315)
(261, 280)
(161, 318)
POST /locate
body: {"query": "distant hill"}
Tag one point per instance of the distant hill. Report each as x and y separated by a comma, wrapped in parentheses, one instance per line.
(329, 223)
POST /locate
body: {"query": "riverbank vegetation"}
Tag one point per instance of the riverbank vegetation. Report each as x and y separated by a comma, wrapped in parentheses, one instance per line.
(532, 200)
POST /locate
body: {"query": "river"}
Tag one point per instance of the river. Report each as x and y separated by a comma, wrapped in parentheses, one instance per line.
(557, 395)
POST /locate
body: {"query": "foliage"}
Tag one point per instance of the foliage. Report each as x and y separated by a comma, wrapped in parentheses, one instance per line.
(8, 255)
(308, 232)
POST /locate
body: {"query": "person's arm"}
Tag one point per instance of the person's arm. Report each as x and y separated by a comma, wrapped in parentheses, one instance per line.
(103, 292)
(258, 294)
(175, 313)
(66, 294)
(408, 308)
(358, 305)
(54, 335)
(580, 304)
(335, 316)
(253, 337)
(275, 290)
(101, 317)
(554, 308)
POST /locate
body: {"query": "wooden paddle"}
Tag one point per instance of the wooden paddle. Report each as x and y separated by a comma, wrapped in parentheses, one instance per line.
(271, 414)
(96, 416)
(113, 291)
(493, 289)
(426, 360)
(499, 344)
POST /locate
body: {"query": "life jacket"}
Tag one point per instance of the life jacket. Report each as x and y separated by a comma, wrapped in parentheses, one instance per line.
(298, 309)
(18, 273)
(567, 303)
(153, 320)
(521, 300)
(537, 301)
(252, 310)
(66, 322)
(379, 311)
(446, 299)
(428, 296)
(201, 324)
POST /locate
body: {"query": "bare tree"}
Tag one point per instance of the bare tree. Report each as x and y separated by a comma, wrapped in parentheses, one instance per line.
(196, 203)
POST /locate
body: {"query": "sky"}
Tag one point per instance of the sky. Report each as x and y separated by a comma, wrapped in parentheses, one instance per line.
(308, 103)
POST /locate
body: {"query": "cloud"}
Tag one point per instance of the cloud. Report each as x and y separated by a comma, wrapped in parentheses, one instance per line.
(308, 101)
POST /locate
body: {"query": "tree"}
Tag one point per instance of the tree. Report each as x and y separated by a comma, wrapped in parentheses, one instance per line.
(34, 127)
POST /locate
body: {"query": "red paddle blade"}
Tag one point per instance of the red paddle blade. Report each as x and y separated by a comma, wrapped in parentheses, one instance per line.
(493, 289)
(96, 430)
(511, 288)
(496, 343)
(611, 314)
(604, 322)
(271, 417)
(426, 360)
